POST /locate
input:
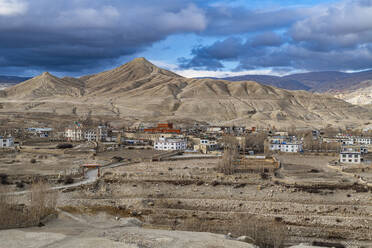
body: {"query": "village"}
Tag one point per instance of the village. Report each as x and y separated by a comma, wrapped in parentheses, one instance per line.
(351, 146)
(181, 177)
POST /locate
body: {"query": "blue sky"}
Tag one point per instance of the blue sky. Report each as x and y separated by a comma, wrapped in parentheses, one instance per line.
(191, 37)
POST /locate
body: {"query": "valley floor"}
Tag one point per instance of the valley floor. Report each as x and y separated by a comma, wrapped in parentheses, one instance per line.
(312, 200)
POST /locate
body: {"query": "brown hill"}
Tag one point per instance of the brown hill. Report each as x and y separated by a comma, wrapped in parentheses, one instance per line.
(138, 70)
(46, 85)
(141, 91)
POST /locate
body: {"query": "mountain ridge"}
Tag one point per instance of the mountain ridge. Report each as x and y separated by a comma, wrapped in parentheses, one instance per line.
(323, 81)
(140, 90)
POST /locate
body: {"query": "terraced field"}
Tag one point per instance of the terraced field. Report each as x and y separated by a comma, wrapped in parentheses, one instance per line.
(190, 195)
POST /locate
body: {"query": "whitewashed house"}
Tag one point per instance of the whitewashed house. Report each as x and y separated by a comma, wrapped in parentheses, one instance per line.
(6, 142)
(77, 133)
(363, 140)
(98, 134)
(285, 144)
(169, 144)
(350, 154)
(74, 134)
(291, 147)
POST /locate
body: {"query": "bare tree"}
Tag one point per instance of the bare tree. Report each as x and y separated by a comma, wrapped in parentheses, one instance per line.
(12, 214)
(229, 157)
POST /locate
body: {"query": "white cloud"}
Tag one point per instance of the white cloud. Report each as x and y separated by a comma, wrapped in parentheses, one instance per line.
(12, 7)
(190, 73)
(221, 74)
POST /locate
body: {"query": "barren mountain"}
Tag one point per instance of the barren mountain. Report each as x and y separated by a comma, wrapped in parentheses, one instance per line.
(360, 94)
(139, 71)
(141, 91)
(324, 81)
(46, 85)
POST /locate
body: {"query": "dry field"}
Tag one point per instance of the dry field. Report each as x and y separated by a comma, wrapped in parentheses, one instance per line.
(190, 195)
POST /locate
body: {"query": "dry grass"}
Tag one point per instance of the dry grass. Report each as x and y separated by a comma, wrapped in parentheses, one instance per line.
(14, 215)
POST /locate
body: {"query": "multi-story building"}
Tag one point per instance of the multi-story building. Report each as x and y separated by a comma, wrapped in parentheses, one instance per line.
(77, 133)
(351, 154)
(291, 147)
(6, 142)
(98, 134)
(170, 144)
(363, 140)
(163, 128)
(285, 144)
(206, 145)
(74, 134)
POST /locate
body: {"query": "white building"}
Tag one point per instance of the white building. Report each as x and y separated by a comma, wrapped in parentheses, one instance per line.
(6, 142)
(350, 155)
(41, 132)
(78, 134)
(214, 129)
(211, 143)
(169, 144)
(281, 143)
(291, 147)
(363, 140)
(99, 134)
(74, 134)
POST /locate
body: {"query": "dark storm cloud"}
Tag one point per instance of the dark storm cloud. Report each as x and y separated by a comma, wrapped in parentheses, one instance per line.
(227, 20)
(71, 35)
(330, 37)
(80, 35)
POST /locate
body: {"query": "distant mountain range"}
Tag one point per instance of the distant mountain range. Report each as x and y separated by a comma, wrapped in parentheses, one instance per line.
(7, 81)
(140, 91)
(12, 79)
(325, 81)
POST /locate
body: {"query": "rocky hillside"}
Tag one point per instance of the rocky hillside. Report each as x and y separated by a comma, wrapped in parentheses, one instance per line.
(46, 85)
(140, 90)
(361, 94)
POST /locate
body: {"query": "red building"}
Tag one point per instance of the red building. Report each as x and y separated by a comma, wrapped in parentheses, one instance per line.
(162, 128)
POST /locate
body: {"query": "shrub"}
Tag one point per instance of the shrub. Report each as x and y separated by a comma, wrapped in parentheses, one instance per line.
(117, 158)
(64, 146)
(20, 185)
(4, 178)
(68, 180)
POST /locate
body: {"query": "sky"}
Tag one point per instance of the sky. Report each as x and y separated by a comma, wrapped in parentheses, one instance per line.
(194, 38)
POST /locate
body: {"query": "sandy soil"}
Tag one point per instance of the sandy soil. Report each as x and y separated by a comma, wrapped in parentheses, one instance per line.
(104, 231)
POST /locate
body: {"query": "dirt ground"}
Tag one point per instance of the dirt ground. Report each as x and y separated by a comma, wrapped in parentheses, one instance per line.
(129, 154)
(169, 194)
(103, 230)
(49, 164)
(312, 200)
